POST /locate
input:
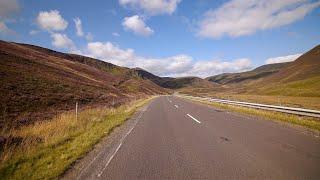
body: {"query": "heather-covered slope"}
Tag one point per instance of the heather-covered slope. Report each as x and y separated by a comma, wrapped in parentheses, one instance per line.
(299, 78)
(37, 83)
(293, 84)
(175, 83)
(260, 72)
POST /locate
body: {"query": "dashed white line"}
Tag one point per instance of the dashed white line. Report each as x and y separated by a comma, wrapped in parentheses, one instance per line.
(193, 118)
(176, 106)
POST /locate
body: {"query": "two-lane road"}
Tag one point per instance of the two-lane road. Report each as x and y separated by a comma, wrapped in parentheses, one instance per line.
(177, 139)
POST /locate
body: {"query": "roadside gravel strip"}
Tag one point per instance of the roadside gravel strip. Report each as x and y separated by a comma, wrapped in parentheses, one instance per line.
(104, 151)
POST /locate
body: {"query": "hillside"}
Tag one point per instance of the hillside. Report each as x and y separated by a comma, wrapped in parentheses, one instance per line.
(257, 73)
(175, 83)
(37, 83)
(293, 84)
(305, 67)
(299, 78)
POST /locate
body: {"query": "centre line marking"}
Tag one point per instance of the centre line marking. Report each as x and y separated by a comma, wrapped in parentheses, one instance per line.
(176, 106)
(194, 118)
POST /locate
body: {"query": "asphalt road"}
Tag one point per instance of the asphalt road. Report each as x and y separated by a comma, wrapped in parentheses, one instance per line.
(173, 138)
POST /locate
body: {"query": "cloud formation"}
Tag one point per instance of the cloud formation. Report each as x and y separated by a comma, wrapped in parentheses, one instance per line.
(51, 21)
(178, 65)
(137, 25)
(4, 29)
(7, 8)
(62, 41)
(242, 17)
(152, 7)
(115, 34)
(77, 22)
(282, 59)
(79, 31)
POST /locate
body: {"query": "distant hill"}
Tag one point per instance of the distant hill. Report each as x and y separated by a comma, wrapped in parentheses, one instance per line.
(305, 67)
(37, 83)
(298, 78)
(260, 72)
(188, 82)
(174, 83)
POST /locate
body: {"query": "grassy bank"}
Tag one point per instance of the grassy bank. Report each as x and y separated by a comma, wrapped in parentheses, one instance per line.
(282, 100)
(291, 101)
(308, 122)
(45, 150)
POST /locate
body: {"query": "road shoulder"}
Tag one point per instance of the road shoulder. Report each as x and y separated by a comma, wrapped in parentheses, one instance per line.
(101, 150)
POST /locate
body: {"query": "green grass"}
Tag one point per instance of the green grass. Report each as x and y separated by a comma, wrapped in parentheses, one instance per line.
(306, 88)
(49, 148)
(308, 122)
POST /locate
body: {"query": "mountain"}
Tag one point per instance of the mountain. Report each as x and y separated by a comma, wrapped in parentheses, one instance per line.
(260, 72)
(161, 81)
(298, 78)
(305, 67)
(174, 83)
(37, 83)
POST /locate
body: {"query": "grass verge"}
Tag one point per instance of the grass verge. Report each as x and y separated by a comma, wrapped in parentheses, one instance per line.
(46, 149)
(308, 122)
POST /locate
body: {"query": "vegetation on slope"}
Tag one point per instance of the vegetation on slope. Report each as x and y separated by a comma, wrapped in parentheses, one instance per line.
(38, 83)
(260, 72)
(46, 149)
(175, 83)
(290, 84)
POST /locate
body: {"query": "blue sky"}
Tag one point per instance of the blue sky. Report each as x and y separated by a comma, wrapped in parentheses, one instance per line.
(168, 37)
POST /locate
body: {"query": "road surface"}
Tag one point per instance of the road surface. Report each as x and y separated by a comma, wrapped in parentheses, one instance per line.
(173, 138)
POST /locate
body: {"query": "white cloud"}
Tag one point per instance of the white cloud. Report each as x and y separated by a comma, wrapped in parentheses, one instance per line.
(89, 36)
(152, 7)
(79, 30)
(77, 22)
(4, 29)
(178, 65)
(115, 34)
(209, 68)
(7, 7)
(244, 17)
(51, 21)
(33, 32)
(62, 41)
(282, 59)
(136, 25)
(109, 51)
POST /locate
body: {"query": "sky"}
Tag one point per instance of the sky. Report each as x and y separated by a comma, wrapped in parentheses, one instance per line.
(168, 37)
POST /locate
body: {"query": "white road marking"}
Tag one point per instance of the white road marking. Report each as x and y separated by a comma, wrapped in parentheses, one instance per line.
(194, 118)
(169, 100)
(176, 106)
(121, 142)
(114, 153)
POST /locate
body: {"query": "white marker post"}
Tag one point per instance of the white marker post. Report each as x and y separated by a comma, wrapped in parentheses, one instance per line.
(77, 111)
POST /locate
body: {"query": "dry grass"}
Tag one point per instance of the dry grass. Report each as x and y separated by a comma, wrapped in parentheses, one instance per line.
(46, 149)
(291, 101)
(308, 122)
